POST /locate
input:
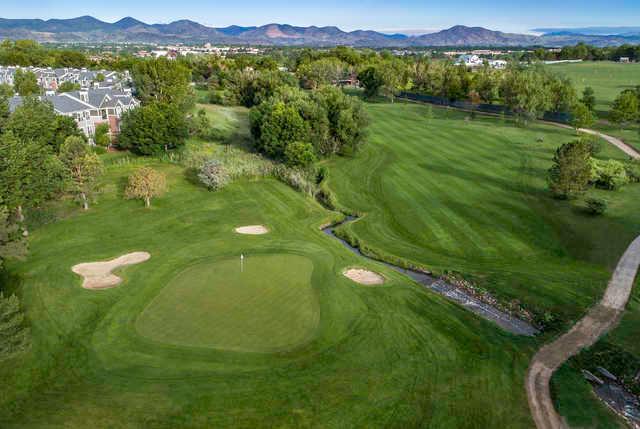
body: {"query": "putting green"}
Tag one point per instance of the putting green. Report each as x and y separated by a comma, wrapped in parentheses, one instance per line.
(268, 306)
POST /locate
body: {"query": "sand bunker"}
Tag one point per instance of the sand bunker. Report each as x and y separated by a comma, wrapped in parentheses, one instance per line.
(364, 277)
(252, 229)
(97, 275)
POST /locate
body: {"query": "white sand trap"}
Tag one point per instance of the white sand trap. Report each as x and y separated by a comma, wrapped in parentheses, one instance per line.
(252, 229)
(364, 277)
(97, 275)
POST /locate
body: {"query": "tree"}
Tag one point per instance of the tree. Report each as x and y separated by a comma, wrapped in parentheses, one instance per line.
(100, 77)
(213, 175)
(26, 83)
(163, 81)
(13, 243)
(372, 81)
(33, 120)
(571, 170)
(325, 71)
(525, 92)
(200, 125)
(347, 121)
(275, 125)
(626, 107)
(83, 166)
(101, 136)
(68, 86)
(29, 173)
(63, 128)
(152, 129)
(145, 183)
(582, 117)
(299, 154)
(589, 98)
(14, 334)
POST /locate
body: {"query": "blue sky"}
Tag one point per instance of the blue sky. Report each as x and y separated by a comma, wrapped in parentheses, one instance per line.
(398, 15)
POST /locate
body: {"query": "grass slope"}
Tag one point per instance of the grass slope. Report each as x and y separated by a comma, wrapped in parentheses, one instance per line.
(389, 356)
(268, 306)
(472, 197)
(392, 356)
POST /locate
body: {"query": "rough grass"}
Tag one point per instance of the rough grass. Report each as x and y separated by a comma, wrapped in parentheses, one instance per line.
(267, 306)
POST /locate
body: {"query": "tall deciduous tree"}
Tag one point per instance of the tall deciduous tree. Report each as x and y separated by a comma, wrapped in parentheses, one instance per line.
(163, 81)
(26, 83)
(83, 166)
(589, 98)
(582, 117)
(626, 107)
(145, 184)
(29, 173)
(153, 128)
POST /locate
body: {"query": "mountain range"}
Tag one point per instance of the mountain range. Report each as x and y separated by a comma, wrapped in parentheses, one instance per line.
(87, 29)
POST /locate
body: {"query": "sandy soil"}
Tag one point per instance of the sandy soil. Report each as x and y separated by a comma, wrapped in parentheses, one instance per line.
(600, 319)
(364, 277)
(98, 275)
(252, 229)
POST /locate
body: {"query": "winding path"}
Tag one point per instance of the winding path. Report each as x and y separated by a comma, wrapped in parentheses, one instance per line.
(613, 140)
(600, 318)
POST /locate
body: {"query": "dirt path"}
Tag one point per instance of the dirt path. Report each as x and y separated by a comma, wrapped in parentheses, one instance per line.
(613, 140)
(601, 318)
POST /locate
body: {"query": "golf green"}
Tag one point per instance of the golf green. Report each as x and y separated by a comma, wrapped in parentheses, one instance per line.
(264, 303)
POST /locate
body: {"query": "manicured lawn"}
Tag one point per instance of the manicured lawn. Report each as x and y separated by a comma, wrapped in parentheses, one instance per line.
(472, 197)
(606, 78)
(163, 348)
(268, 306)
(394, 355)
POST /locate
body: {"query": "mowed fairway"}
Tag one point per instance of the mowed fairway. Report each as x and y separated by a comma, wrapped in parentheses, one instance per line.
(266, 304)
(471, 196)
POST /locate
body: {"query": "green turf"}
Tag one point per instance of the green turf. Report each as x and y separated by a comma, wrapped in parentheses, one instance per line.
(608, 79)
(444, 193)
(267, 306)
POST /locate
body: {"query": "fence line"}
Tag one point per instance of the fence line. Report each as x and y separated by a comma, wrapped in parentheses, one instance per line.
(497, 109)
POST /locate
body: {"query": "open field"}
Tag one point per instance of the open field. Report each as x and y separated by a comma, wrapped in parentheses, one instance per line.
(442, 193)
(608, 79)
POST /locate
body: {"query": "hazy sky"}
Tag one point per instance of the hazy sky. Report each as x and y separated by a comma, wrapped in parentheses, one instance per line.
(399, 15)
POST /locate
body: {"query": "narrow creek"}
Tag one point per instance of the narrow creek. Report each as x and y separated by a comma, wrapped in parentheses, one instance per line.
(449, 291)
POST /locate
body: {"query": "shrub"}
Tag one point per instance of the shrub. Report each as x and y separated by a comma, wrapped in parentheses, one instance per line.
(596, 206)
(213, 175)
(299, 154)
(633, 171)
(609, 174)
